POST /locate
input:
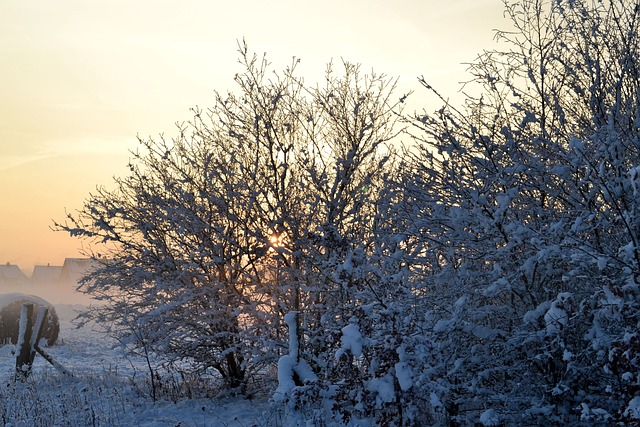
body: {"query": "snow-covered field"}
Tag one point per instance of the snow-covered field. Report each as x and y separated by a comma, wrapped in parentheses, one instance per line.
(110, 389)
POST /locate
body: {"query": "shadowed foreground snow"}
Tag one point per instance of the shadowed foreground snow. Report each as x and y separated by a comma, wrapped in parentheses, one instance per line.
(108, 389)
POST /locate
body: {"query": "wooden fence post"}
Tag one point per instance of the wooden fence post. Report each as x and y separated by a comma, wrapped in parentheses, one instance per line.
(23, 356)
(28, 344)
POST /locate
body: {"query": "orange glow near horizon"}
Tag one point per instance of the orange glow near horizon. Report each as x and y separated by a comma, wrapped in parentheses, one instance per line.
(79, 80)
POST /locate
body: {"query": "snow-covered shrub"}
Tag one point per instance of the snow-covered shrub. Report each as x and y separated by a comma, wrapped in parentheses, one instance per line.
(488, 275)
(262, 205)
(526, 203)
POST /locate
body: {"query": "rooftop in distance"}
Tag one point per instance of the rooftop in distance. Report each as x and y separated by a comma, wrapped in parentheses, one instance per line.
(71, 271)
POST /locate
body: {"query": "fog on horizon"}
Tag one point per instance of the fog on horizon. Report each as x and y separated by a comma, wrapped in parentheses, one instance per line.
(55, 284)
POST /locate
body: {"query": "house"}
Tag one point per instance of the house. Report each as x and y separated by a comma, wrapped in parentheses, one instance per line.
(46, 274)
(11, 275)
(58, 284)
(75, 269)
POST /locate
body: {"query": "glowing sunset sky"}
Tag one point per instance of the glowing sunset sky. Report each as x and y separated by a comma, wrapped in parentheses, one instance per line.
(79, 79)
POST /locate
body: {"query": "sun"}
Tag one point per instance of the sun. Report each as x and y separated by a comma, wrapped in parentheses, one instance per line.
(276, 240)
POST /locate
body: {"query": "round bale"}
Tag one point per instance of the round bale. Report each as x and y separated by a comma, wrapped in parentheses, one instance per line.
(10, 309)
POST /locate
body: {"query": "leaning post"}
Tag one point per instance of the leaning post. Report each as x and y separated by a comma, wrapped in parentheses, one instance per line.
(28, 345)
(23, 356)
(36, 335)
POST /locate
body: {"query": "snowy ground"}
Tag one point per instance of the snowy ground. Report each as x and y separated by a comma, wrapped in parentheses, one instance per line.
(108, 389)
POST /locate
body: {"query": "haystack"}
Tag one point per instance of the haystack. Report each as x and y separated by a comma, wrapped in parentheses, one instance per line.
(10, 308)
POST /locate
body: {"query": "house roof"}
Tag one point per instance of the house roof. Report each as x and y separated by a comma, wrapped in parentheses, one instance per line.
(46, 273)
(11, 274)
(74, 269)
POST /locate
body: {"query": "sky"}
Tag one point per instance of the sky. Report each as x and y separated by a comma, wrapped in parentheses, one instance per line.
(80, 79)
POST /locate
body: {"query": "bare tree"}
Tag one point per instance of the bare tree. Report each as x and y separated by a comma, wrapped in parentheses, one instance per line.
(241, 218)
